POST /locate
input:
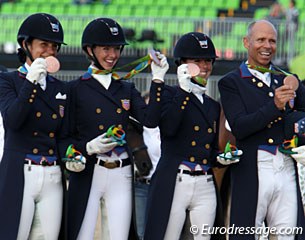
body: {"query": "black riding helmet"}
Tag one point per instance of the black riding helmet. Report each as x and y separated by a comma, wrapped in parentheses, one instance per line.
(102, 32)
(41, 26)
(194, 45)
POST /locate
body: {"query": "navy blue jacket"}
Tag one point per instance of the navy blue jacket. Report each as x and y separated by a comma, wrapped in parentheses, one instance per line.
(92, 110)
(32, 119)
(189, 132)
(255, 120)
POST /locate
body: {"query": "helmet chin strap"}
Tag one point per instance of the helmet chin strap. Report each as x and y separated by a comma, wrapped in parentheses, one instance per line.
(94, 59)
(178, 61)
(27, 51)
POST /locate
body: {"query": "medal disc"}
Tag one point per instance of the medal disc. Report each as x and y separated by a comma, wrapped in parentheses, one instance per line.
(193, 69)
(153, 56)
(291, 81)
(53, 64)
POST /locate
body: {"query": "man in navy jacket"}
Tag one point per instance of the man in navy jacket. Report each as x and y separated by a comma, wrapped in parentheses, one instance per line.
(255, 100)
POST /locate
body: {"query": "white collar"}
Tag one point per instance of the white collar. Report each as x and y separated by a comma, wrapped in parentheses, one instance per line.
(105, 80)
(264, 77)
(198, 91)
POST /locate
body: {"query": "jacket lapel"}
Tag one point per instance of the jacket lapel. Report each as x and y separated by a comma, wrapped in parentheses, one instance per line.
(49, 95)
(253, 80)
(204, 108)
(113, 88)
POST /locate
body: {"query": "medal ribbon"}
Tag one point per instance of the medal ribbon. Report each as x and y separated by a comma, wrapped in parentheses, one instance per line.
(264, 70)
(22, 69)
(140, 63)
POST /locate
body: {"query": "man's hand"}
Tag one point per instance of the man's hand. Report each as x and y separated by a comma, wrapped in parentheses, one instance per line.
(282, 95)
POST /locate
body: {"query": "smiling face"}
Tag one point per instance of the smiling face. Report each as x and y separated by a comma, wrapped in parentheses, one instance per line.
(205, 66)
(107, 56)
(261, 43)
(41, 49)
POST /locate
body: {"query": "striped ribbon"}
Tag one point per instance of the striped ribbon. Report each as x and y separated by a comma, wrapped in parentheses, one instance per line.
(22, 69)
(140, 63)
(264, 70)
(200, 80)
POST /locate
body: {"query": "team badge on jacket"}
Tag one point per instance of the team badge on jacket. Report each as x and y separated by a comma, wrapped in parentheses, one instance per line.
(125, 104)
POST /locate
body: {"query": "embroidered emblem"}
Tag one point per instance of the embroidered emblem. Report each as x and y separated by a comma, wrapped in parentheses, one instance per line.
(125, 104)
(55, 27)
(114, 30)
(203, 43)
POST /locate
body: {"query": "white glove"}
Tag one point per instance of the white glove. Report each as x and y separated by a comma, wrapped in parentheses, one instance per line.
(299, 156)
(42, 82)
(184, 78)
(37, 70)
(75, 166)
(228, 159)
(100, 144)
(158, 72)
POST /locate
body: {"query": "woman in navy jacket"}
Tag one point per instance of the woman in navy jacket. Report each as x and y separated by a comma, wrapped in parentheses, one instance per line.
(32, 105)
(183, 179)
(98, 101)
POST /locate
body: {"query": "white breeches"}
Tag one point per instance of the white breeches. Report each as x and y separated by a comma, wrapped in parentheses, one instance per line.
(277, 196)
(42, 193)
(114, 187)
(197, 194)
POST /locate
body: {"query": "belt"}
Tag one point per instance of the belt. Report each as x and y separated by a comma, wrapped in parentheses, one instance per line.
(114, 164)
(196, 173)
(42, 163)
(144, 180)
